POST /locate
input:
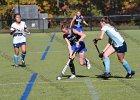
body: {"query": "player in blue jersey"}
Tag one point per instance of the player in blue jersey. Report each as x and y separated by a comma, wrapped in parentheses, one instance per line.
(77, 21)
(18, 30)
(75, 40)
(116, 44)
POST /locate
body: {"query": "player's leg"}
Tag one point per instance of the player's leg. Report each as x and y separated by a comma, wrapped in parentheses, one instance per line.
(72, 68)
(126, 65)
(16, 51)
(83, 60)
(23, 55)
(106, 55)
(121, 53)
(71, 64)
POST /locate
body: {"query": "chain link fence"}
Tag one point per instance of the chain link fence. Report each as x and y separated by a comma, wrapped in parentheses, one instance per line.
(123, 22)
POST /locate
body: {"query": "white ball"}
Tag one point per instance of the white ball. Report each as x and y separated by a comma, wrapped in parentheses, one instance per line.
(58, 78)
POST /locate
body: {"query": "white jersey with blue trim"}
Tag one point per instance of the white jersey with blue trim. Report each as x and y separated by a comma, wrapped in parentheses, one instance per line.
(19, 29)
(113, 34)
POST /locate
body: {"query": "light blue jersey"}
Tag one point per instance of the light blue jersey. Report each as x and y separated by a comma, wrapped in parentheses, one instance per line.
(113, 34)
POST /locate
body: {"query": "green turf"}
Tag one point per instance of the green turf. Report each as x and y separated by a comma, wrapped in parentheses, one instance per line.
(13, 81)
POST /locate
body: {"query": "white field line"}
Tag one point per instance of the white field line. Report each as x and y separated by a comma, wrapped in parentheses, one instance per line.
(64, 51)
(5, 95)
(91, 89)
(49, 51)
(23, 83)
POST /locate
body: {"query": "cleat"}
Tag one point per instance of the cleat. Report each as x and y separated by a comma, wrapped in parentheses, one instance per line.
(105, 75)
(23, 63)
(72, 76)
(130, 75)
(16, 65)
(88, 65)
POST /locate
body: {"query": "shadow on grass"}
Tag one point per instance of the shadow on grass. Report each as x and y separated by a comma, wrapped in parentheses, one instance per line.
(79, 76)
(64, 77)
(20, 65)
(118, 77)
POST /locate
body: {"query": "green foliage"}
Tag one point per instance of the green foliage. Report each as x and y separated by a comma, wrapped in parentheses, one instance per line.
(132, 23)
(96, 12)
(68, 8)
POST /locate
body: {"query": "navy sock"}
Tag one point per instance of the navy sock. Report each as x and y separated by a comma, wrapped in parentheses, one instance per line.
(85, 62)
(23, 55)
(72, 68)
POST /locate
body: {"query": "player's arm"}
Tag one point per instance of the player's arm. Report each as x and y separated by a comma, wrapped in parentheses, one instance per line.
(68, 45)
(26, 30)
(72, 56)
(100, 37)
(71, 23)
(81, 34)
(84, 21)
(12, 29)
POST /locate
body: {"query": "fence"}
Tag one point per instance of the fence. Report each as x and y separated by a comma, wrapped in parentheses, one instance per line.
(131, 22)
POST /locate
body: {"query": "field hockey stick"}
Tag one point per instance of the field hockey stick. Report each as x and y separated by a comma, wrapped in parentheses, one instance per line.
(13, 30)
(66, 66)
(24, 33)
(98, 52)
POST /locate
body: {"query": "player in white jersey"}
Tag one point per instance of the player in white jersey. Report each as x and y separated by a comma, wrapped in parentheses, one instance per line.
(19, 30)
(116, 44)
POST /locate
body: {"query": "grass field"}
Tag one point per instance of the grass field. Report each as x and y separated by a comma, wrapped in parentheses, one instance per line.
(38, 81)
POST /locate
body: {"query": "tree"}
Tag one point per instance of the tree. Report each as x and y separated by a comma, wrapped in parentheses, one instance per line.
(68, 8)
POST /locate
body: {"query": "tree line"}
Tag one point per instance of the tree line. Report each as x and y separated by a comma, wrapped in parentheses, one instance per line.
(68, 8)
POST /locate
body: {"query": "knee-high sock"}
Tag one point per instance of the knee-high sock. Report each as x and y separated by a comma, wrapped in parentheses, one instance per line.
(127, 66)
(85, 62)
(72, 68)
(23, 55)
(107, 65)
(16, 59)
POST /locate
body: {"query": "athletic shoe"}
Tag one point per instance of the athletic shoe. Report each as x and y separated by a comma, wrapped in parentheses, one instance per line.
(72, 76)
(23, 63)
(105, 75)
(16, 65)
(88, 65)
(130, 75)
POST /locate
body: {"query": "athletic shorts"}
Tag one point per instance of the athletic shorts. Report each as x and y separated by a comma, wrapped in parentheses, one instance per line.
(19, 44)
(79, 29)
(80, 49)
(121, 49)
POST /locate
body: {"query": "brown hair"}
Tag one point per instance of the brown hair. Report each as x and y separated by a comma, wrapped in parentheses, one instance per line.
(64, 24)
(107, 20)
(17, 14)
